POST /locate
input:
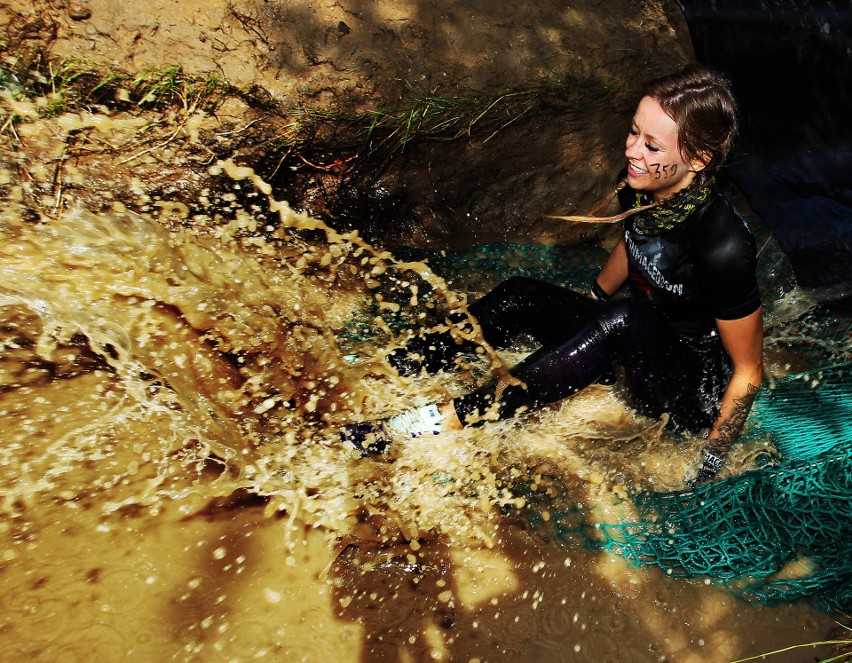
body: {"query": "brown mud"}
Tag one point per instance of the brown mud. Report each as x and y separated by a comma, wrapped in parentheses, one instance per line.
(171, 361)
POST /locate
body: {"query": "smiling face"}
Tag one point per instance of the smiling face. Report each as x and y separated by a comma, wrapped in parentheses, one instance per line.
(655, 163)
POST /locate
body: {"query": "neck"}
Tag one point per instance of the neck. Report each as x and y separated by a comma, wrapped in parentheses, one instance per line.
(663, 196)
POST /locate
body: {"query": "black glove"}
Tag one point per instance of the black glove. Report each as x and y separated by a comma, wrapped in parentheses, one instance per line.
(709, 469)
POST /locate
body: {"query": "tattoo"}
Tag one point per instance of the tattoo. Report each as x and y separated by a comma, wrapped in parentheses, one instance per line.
(664, 170)
(730, 428)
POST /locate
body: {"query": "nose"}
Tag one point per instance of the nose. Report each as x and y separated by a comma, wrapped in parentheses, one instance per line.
(631, 149)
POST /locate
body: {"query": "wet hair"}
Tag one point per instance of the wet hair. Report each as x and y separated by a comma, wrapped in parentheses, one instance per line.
(704, 109)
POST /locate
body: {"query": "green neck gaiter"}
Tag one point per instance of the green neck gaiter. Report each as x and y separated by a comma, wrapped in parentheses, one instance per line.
(668, 214)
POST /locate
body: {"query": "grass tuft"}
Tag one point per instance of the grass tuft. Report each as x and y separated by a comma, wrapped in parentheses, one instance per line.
(842, 648)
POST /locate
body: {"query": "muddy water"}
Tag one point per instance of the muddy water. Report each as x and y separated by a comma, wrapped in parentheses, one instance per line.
(172, 486)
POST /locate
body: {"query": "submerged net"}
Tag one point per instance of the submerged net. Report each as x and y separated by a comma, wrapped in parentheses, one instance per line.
(776, 534)
(482, 267)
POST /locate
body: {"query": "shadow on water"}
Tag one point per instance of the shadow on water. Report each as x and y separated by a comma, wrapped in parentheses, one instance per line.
(522, 598)
(529, 598)
(523, 592)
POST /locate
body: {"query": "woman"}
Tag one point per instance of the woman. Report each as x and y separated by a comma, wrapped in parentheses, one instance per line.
(689, 335)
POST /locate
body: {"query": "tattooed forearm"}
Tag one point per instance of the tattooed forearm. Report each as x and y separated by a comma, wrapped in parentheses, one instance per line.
(726, 434)
(729, 429)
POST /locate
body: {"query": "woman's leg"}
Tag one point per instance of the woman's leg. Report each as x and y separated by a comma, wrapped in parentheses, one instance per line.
(520, 305)
(664, 373)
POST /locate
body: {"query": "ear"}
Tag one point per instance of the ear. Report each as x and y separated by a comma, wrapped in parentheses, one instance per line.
(700, 163)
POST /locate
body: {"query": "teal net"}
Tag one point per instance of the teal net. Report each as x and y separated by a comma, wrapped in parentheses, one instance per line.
(777, 534)
(805, 415)
(473, 270)
(772, 535)
(482, 267)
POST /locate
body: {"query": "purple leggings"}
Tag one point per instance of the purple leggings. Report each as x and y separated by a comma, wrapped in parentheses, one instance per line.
(583, 340)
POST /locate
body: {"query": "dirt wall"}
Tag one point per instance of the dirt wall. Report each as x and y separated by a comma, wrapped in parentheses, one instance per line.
(555, 154)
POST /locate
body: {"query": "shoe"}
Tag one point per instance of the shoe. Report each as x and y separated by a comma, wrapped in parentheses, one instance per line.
(373, 437)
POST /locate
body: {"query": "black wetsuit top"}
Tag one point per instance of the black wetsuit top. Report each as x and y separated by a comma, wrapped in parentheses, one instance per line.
(702, 269)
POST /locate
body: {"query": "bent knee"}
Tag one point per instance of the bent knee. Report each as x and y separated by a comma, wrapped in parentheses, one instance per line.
(617, 316)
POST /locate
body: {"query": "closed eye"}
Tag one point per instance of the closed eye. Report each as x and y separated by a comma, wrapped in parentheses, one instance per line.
(652, 148)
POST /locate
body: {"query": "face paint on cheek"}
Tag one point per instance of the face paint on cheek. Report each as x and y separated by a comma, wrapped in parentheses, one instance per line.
(663, 171)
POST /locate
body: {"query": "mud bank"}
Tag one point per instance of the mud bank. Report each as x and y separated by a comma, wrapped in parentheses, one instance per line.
(495, 113)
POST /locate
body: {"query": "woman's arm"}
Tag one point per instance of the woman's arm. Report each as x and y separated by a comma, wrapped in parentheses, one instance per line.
(614, 272)
(743, 340)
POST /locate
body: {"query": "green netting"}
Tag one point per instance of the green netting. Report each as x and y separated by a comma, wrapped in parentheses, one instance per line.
(805, 415)
(818, 337)
(482, 267)
(779, 534)
(772, 535)
(474, 270)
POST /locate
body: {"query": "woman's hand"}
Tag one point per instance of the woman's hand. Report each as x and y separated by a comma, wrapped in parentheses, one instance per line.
(743, 341)
(708, 471)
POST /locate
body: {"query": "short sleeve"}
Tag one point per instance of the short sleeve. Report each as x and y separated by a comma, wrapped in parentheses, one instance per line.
(726, 268)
